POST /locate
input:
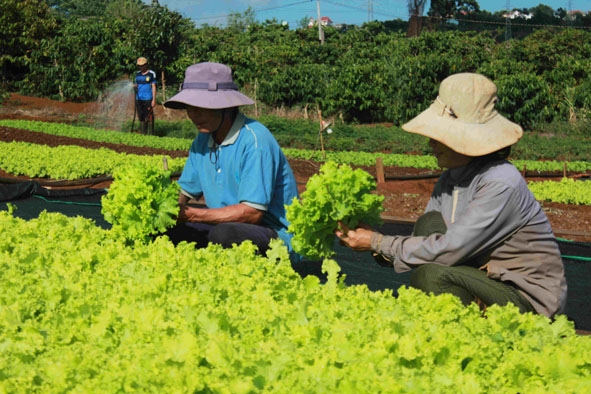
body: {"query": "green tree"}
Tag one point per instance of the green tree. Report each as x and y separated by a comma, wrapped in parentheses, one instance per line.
(448, 9)
(85, 55)
(79, 62)
(163, 36)
(239, 22)
(25, 23)
(561, 13)
(585, 19)
(543, 15)
(123, 9)
(303, 23)
(79, 8)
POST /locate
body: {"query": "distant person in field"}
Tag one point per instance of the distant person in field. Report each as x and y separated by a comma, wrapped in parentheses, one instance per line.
(144, 86)
(234, 163)
(483, 237)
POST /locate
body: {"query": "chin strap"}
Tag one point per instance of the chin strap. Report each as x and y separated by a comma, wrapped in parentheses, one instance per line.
(213, 151)
(213, 133)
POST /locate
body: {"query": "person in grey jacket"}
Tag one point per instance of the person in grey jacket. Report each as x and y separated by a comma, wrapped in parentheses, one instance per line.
(483, 237)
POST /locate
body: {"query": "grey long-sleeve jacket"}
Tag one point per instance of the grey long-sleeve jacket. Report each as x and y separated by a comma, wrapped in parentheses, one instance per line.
(495, 223)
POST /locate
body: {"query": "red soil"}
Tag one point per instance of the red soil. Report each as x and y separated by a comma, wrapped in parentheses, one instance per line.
(405, 199)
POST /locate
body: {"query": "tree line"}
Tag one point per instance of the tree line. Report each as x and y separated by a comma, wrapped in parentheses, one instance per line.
(72, 50)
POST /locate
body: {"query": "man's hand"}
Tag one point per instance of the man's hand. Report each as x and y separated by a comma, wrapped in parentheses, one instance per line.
(241, 213)
(183, 214)
(358, 239)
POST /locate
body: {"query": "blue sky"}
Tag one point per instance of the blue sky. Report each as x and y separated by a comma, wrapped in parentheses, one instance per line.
(214, 12)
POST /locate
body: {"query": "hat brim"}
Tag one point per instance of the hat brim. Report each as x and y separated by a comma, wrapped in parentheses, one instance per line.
(469, 139)
(218, 99)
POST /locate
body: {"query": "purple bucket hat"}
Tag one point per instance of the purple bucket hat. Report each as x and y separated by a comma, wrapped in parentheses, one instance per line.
(208, 85)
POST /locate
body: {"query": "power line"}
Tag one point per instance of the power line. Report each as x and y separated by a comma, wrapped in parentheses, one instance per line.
(361, 8)
(282, 6)
(393, 14)
(254, 9)
(513, 24)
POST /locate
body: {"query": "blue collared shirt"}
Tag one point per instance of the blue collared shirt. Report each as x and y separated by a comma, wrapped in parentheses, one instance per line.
(247, 167)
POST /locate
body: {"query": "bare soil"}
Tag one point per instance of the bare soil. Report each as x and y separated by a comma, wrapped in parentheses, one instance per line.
(406, 190)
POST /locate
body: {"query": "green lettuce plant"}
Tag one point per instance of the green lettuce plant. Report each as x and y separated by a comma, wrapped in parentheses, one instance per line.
(141, 202)
(336, 194)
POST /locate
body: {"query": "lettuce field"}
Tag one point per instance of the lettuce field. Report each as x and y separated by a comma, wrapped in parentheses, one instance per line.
(81, 311)
(85, 310)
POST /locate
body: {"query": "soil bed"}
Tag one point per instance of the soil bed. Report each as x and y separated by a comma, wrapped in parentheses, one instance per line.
(406, 190)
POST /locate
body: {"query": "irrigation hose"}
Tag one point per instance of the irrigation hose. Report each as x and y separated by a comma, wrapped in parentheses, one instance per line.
(580, 258)
(93, 204)
(65, 183)
(68, 183)
(570, 257)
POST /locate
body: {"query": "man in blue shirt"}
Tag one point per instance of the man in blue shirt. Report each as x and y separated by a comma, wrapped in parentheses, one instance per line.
(234, 164)
(145, 92)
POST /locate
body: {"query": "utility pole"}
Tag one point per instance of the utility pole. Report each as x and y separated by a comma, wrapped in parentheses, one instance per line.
(508, 22)
(369, 10)
(320, 32)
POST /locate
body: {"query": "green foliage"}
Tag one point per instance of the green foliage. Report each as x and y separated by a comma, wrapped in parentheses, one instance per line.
(303, 134)
(367, 74)
(25, 25)
(364, 158)
(141, 202)
(110, 136)
(574, 129)
(79, 60)
(161, 35)
(69, 162)
(336, 194)
(553, 146)
(39, 161)
(239, 22)
(450, 8)
(4, 94)
(79, 8)
(171, 129)
(84, 312)
(567, 191)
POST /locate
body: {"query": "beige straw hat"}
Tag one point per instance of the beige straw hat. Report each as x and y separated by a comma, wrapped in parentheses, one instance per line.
(141, 61)
(463, 117)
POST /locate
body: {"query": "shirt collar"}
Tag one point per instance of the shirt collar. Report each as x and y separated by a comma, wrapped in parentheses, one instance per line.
(232, 135)
(464, 174)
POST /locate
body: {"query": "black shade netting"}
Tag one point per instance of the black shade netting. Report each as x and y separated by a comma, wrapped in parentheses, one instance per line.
(360, 268)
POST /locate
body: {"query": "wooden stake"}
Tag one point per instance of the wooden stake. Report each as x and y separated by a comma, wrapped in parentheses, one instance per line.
(163, 87)
(165, 163)
(380, 170)
(164, 94)
(320, 131)
(256, 108)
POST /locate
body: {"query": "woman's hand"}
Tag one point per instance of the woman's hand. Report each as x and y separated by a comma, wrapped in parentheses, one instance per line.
(358, 239)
